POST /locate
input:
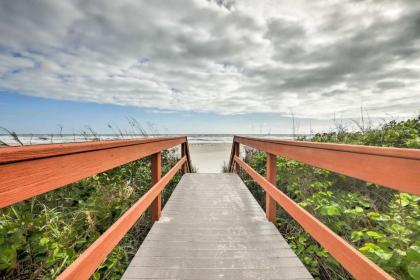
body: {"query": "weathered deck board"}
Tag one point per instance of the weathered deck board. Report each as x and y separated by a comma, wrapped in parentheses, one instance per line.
(213, 228)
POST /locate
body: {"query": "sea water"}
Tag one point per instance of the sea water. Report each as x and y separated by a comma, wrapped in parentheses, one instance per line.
(209, 152)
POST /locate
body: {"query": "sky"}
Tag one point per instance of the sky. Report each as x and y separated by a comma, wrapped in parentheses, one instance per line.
(207, 66)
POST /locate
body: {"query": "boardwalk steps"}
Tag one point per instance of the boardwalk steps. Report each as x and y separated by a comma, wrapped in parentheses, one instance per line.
(213, 228)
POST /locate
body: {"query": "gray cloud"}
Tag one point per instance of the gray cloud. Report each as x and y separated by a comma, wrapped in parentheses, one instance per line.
(315, 59)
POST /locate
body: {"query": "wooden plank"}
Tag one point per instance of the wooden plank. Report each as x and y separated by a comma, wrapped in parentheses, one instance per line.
(350, 258)
(24, 179)
(86, 264)
(140, 273)
(212, 228)
(395, 168)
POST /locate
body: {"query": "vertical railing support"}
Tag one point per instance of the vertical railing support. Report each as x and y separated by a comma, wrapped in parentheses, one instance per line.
(270, 203)
(156, 171)
(183, 153)
(236, 149)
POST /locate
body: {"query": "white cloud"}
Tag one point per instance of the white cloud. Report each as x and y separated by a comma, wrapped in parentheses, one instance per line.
(314, 58)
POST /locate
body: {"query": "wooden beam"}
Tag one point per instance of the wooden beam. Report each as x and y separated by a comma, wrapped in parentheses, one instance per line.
(20, 153)
(31, 176)
(394, 168)
(156, 171)
(270, 203)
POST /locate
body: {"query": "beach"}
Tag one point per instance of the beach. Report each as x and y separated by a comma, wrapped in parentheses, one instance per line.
(209, 157)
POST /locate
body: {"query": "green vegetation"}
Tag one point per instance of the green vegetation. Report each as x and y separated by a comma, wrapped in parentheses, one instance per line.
(383, 224)
(40, 237)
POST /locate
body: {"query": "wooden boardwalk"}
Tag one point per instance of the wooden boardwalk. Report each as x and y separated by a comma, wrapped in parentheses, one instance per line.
(213, 228)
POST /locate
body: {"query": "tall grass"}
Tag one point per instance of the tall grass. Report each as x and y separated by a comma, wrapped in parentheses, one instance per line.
(135, 129)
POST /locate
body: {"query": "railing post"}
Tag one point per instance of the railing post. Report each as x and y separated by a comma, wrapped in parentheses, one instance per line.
(183, 153)
(236, 149)
(270, 203)
(156, 171)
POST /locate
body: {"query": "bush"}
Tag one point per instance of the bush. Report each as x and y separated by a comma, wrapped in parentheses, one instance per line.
(383, 224)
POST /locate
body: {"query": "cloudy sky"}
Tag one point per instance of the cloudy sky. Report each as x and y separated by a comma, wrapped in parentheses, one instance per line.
(207, 66)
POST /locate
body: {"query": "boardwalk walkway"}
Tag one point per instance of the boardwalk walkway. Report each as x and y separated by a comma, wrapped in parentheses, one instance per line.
(213, 228)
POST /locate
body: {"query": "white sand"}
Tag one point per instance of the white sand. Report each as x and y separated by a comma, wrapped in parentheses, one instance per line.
(209, 158)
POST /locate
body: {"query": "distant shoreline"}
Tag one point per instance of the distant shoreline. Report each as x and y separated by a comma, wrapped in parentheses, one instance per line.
(155, 135)
(207, 139)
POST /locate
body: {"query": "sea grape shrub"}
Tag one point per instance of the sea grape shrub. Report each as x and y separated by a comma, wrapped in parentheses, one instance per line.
(40, 237)
(381, 223)
(403, 134)
(393, 241)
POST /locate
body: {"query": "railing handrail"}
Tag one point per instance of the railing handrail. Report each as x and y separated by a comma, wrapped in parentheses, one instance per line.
(20, 153)
(362, 149)
(396, 168)
(363, 162)
(27, 171)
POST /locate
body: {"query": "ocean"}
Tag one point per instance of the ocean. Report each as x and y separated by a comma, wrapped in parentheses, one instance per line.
(32, 139)
(209, 152)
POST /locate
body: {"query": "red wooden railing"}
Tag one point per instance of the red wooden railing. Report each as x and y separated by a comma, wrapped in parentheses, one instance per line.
(32, 170)
(395, 168)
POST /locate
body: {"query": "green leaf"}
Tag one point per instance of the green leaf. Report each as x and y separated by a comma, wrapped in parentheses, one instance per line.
(7, 257)
(96, 276)
(330, 210)
(378, 217)
(358, 209)
(357, 235)
(374, 215)
(414, 270)
(44, 241)
(302, 239)
(375, 252)
(374, 234)
(399, 229)
(413, 253)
